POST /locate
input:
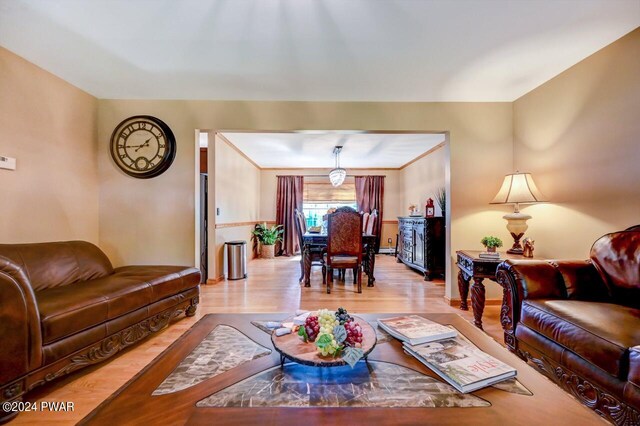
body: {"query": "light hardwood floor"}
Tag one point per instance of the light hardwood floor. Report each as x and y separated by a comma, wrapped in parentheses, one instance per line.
(272, 286)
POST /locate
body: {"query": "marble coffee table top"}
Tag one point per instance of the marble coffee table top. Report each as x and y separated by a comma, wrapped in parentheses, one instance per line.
(225, 368)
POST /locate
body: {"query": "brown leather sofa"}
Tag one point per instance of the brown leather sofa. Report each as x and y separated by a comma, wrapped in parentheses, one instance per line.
(63, 307)
(579, 322)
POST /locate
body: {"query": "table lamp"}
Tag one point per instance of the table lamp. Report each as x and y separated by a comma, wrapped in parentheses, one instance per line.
(517, 188)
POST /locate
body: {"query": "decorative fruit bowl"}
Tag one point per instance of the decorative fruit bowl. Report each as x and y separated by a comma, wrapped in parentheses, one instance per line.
(326, 339)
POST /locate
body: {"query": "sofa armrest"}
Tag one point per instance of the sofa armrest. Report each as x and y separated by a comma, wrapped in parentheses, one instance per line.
(21, 348)
(525, 279)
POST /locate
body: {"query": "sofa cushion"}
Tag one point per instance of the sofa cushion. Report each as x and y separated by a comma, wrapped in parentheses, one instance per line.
(601, 333)
(69, 309)
(165, 281)
(49, 265)
(617, 257)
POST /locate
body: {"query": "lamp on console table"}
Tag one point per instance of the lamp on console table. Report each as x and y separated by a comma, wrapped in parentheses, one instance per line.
(517, 188)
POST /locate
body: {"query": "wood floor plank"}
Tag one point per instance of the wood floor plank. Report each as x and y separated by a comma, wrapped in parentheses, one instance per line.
(271, 286)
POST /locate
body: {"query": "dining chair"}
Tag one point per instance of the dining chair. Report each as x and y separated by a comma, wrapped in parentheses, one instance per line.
(344, 245)
(315, 252)
(365, 220)
(369, 230)
(371, 223)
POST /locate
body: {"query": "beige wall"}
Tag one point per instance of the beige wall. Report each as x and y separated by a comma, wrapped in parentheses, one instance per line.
(480, 144)
(147, 221)
(422, 179)
(579, 135)
(237, 195)
(50, 127)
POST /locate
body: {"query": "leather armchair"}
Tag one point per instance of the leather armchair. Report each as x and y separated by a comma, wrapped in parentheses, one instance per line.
(63, 307)
(578, 321)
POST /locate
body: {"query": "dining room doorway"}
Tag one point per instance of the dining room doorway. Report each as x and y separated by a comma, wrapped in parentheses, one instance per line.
(244, 166)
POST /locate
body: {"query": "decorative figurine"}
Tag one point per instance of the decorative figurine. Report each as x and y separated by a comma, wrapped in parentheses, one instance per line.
(528, 247)
(429, 210)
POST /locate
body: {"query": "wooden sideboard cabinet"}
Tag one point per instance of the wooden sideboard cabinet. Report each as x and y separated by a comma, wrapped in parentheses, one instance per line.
(421, 244)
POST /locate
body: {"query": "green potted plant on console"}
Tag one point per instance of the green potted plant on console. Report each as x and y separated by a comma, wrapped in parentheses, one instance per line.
(491, 243)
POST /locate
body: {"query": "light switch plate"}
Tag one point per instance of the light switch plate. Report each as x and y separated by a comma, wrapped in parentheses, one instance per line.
(7, 163)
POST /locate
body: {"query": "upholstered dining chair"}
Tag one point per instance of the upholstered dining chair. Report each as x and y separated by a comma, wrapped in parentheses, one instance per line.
(365, 220)
(369, 229)
(371, 223)
(344, 245)
(316, 252)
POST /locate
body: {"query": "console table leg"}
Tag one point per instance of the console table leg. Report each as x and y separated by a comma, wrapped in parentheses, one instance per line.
(477, 301)
(463, 288)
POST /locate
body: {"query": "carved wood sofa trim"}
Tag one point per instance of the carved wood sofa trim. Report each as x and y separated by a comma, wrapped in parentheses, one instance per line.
(95, 353)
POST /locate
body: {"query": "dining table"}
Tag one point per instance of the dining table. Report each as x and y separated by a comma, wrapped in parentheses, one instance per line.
(320, 239)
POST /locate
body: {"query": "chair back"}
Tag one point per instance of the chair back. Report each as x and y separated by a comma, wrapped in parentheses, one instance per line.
(300, 226)
(365, 220)
(345, 233)
(371, 224)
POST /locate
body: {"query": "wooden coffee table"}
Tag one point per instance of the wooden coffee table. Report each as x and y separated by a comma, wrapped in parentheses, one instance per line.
(135, 403)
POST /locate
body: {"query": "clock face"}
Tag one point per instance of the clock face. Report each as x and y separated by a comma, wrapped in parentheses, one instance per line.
(143, 146)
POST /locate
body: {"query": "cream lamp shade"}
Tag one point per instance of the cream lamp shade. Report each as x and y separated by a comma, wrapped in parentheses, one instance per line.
(518, 188)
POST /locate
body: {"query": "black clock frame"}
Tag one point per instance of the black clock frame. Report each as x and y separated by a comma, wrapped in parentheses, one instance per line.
(167, 158)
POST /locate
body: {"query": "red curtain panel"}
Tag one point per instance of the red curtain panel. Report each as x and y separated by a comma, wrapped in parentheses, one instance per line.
(290, 193)
(369, 196)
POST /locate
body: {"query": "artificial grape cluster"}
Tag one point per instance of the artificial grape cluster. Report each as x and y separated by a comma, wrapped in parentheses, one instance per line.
(327, 321)
(354, 334)
(312, 327)
(330, 349)
(343, 316)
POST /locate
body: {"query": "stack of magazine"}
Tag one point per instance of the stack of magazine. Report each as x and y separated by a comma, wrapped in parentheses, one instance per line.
(451, 356)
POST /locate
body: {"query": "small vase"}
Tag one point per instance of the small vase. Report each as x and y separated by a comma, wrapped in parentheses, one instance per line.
(267, 252)
(491, 249)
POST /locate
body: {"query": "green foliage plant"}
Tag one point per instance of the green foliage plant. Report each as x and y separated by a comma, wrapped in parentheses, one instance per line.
(491, 242)
(268, 236)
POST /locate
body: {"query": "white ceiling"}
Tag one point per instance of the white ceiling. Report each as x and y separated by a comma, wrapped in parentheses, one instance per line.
(315, 149)
(357, 50)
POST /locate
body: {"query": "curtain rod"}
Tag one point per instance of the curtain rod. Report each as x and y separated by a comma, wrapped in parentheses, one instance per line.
(327, 175)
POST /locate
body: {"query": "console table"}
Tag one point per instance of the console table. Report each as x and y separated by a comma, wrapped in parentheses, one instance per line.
(472, 266)
(421, 244)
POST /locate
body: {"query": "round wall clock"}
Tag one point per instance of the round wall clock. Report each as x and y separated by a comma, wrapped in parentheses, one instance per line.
(143, 146)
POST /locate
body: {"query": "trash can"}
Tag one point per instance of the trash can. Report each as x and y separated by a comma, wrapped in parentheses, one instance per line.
(236, 256)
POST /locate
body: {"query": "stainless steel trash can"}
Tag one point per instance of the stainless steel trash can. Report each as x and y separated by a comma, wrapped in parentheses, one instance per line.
(236, 254)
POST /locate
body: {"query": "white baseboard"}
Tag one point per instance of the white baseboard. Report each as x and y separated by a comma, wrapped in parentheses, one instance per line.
(386, 250)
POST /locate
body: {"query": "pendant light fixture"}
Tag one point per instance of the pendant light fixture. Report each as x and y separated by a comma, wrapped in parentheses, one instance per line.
(337, 175)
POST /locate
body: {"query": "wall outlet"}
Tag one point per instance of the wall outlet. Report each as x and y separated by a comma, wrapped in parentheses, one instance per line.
(217, 211)
(7, 163)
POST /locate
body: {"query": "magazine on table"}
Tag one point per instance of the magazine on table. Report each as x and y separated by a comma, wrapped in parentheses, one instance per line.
(415, 329)
(461, 364)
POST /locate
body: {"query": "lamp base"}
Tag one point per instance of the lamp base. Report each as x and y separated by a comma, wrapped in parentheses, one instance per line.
(517, 226)
(517, 247)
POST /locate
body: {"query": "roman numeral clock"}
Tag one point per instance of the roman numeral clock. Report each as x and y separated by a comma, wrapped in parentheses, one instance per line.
(143, 146)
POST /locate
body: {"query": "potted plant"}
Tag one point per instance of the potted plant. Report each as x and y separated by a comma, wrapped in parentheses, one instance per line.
(491, 243)
(267, 237)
